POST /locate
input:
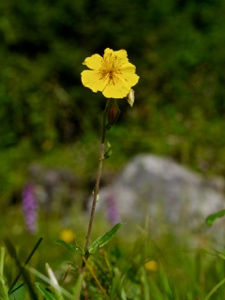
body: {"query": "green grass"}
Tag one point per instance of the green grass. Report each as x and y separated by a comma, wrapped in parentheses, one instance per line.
(182, 271)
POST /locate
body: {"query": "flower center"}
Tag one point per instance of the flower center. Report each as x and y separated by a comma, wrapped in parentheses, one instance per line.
(110, 69)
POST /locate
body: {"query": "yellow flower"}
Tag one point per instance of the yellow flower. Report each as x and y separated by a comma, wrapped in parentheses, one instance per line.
(112, 74)
(151, 265)
(67, 235)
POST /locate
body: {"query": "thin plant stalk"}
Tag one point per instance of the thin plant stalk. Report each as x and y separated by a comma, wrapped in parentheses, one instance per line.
(98, 179)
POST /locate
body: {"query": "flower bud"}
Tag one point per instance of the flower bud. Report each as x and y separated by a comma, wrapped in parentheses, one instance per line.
(130, 97)
(113, 114)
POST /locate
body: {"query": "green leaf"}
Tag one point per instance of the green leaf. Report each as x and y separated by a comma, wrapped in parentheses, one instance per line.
(22, 271)
(45, 291)
(12, 251)
(72, 248)
(19, 292)
(212, 218)
(104, 239)
(215, 288)
(48, 281)
(54, 282)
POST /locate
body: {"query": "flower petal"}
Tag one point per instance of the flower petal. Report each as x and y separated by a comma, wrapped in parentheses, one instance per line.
(91, 79)
(118, 90)
(108, 51)
(130, 77)
(121, 54)
(93, 62)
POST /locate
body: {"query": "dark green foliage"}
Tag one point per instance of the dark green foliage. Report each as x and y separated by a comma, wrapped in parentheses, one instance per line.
(177, 46)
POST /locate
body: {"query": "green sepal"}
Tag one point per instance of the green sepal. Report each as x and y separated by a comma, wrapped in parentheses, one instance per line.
(104, 239)
(108, 151)
(212, 218)
(72, 248)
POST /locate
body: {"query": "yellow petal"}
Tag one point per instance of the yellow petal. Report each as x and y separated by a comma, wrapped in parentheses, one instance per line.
(118, 90)
(91, 79)
(108, 51)
(122, 54)
(93, 62)
(128, 73)
(130, 77)
(121, 87)
(128, 67)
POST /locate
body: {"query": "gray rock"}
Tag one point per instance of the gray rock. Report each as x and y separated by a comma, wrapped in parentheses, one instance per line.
(55, 189)
(164, 191)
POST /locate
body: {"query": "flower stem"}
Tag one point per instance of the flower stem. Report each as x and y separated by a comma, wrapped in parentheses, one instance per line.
(98, 178)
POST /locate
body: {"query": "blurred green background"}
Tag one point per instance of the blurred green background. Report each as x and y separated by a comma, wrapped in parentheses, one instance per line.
(48, 117)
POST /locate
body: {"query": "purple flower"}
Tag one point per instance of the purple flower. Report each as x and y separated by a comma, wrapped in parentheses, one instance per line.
(30, 207)
(112, 210)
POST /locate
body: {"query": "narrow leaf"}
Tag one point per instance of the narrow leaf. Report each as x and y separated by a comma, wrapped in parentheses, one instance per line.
(12, 251)
(48, 281)
(215, 288)
(104, 239)
(54, 282)
(78, 286)
(45, 291)
(3, 287)
(212, 218)
(70, 247)
(19, 292)
(22, 271)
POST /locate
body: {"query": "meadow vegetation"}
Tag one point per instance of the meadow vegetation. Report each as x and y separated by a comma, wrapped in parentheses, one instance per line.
(49, 118)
